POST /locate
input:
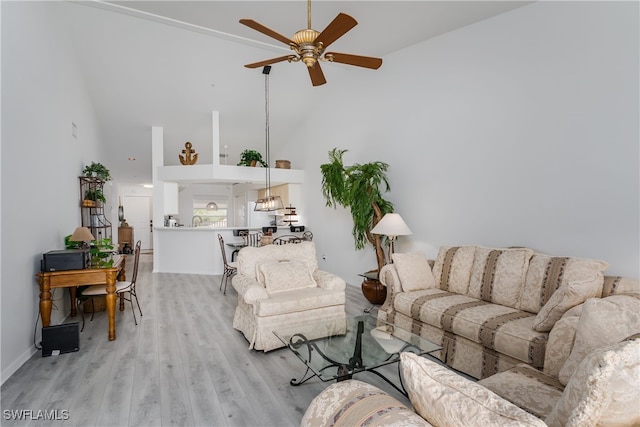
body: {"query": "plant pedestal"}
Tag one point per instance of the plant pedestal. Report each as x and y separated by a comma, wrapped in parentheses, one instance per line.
(372, 289)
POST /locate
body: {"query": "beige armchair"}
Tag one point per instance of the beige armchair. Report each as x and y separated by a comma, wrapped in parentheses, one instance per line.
(281, 285)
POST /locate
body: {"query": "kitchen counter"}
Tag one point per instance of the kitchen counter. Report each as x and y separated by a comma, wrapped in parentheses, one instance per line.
(195, 250)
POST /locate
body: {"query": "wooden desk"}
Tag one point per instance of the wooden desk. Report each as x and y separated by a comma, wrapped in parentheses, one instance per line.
(73, 278)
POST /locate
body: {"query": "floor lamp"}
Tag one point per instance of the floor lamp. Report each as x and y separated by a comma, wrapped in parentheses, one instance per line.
(391, 225)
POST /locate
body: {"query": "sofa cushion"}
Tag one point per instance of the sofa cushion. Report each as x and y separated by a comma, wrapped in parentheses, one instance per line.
(527, 388)
(617, 285)
(354, 403)
(445, 398)
(546, 274)
(604, 321)
(561, 338)
(498, 328)
(452, 268)
(498, 275)
(414, 271)
(604, 389)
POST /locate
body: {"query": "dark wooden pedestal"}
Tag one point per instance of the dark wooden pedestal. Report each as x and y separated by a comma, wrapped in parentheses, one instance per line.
(374, 291)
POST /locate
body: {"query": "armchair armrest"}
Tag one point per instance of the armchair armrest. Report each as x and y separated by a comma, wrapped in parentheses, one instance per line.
(249, 288)
(329, 281)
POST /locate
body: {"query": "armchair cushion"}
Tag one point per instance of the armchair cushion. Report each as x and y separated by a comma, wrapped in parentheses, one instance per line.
(286, 276)
(414, 271)
(445, 398)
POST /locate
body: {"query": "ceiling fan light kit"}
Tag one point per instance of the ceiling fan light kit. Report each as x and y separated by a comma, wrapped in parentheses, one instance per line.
(309, 46)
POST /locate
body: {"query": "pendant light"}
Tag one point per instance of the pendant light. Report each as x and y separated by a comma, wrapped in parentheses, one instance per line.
(267, 203)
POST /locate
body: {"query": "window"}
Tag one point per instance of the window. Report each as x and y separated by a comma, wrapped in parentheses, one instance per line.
(207, 217)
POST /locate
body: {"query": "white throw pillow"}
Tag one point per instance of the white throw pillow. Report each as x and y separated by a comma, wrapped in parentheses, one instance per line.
(414, 271)
(602, 322)
(445, 398)
(286, 276)
(604, 391)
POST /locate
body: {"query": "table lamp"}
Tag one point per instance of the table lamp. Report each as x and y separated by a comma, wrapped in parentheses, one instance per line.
(82, 234)
(391, 225)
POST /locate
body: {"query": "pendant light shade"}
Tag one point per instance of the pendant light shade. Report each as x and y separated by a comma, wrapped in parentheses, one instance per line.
(267, 203)
(211, 206)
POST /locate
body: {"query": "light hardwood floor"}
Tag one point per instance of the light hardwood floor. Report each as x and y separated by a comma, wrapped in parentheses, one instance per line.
(183, 364)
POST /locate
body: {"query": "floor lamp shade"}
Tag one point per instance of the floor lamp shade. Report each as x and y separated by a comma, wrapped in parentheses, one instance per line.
(391, 225)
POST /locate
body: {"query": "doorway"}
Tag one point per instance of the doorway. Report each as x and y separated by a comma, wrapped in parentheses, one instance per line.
(138, 211)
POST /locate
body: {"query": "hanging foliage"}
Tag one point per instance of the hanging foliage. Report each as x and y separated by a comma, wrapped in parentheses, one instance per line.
(359, 188)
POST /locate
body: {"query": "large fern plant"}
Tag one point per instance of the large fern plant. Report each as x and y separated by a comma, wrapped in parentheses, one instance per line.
(359, 188)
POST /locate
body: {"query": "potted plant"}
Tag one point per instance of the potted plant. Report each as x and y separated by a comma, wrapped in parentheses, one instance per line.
(97, 170)
(94, 195)
(251, 158)
(358, 187)
(101, 253)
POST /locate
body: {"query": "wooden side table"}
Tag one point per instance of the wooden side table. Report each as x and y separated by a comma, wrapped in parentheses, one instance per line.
(374, 291)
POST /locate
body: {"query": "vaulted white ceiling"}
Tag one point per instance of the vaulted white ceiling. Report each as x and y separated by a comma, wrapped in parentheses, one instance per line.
(170, 63)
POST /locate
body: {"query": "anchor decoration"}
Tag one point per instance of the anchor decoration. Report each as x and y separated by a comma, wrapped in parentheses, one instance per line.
(190, 156)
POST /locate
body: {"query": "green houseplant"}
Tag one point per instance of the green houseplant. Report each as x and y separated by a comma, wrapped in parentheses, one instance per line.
(95, 194)
(251, 158)
(359, 188)
(97, 170)
(101, 251)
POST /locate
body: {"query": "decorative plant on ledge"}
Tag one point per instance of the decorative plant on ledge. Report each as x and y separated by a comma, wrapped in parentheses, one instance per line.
(358, 187)
(251, 158)
(97, 170)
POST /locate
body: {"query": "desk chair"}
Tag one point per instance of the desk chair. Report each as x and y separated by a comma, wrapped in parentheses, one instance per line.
(230, 268)
(122, 288)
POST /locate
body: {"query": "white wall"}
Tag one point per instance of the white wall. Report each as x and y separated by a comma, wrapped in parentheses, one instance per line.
(42, 94)
(518, 130)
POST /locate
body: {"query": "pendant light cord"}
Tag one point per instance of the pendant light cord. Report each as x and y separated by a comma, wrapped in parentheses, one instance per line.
(266, 128)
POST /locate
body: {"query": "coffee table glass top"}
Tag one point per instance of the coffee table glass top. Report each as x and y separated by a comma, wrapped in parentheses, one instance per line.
(338, 349)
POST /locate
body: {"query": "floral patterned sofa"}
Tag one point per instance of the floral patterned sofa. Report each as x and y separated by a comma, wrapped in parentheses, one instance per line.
(591, 377)
(489, 308)
(281, 285)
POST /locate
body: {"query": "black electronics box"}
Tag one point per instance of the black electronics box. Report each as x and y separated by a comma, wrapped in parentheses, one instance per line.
(296, 228)
(267, 230)
(66, 259)
(60, 339)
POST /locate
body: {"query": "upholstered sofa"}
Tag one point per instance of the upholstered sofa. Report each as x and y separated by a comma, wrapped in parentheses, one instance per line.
(591, 377)
(489, 308)
(281, 285)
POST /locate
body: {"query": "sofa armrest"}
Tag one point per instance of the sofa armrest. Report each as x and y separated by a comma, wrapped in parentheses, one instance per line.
(355, 403)
(389, 278)
(248, 289)
(328, 281)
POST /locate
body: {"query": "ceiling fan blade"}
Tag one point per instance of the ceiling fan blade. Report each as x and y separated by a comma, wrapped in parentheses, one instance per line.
(357, 60)
(269, 61)
(316, 74)
(267, 31)
(336, 29)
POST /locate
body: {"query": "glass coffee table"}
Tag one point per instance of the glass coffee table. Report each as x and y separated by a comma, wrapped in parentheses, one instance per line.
(336, 350)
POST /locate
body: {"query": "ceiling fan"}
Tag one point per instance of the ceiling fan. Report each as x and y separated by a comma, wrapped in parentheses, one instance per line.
(309, 46)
